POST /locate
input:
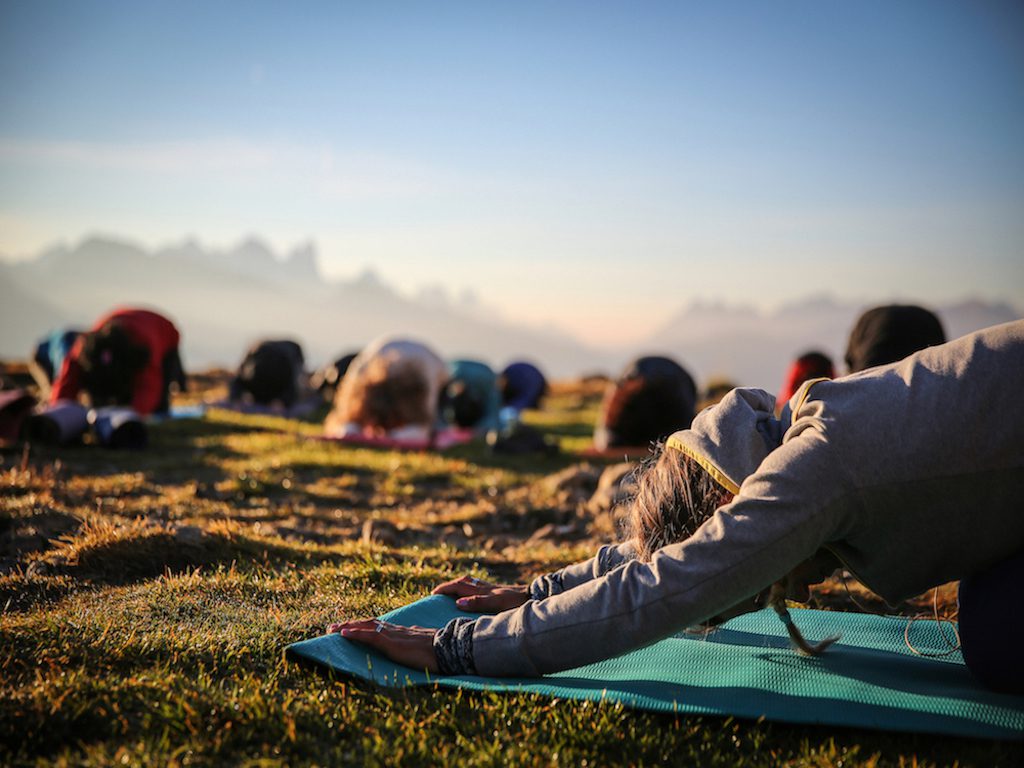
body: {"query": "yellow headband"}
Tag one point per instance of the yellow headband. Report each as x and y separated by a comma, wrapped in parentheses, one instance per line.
(716, 474)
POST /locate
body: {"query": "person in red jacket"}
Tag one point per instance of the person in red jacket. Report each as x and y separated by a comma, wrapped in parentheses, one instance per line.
(810, 365)
(130, 358)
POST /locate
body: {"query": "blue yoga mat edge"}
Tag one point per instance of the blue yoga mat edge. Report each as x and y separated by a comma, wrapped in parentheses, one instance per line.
(770, 680)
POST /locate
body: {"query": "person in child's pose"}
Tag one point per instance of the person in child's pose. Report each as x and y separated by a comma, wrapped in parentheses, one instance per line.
(390, 390)
(909, 475)
(130, 357)
(888, 334)
(273, 371)
(470, 398)
(522, 386)
(653, 397)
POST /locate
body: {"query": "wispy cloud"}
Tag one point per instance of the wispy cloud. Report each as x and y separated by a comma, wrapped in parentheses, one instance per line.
(173, 157)
(332, 174)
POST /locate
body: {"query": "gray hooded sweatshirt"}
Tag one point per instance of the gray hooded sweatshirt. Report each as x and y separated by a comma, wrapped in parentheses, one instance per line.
(912, 474)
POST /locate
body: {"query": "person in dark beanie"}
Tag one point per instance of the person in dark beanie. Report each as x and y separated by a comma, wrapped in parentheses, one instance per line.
(327, 379)
(271, 372)
(888, 334)
(653, 397)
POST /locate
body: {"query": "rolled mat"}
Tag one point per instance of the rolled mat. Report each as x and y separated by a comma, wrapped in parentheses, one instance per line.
(869, 679)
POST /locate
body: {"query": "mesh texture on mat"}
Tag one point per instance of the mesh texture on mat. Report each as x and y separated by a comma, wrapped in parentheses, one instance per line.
(869, 679)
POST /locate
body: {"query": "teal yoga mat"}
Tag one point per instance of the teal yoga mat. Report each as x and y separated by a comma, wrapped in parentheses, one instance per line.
(869, 679)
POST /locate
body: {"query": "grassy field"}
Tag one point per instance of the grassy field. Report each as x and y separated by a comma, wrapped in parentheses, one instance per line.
(146, 598)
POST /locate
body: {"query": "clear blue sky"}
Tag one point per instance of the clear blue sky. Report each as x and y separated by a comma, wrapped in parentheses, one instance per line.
(592, 164)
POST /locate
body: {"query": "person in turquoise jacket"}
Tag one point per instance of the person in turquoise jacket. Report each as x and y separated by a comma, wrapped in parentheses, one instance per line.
(471, 398)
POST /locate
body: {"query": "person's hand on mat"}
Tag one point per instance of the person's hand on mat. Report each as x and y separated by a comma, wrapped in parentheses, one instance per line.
(481, 596)
(410, 646)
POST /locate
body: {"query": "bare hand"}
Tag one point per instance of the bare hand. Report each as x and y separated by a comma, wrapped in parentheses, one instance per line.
(481, 596)
(409, 646)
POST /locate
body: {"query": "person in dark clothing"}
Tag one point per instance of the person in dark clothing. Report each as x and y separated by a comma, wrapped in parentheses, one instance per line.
(271, 372)
(130, 357)
(327, 379)
(652, 398)
(890, 333)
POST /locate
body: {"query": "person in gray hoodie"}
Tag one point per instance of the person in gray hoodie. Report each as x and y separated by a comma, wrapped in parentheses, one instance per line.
(909, 475)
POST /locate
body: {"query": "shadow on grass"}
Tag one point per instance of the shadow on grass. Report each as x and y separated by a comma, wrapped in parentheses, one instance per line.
(529, 463)
(113, 559)
(21, 594)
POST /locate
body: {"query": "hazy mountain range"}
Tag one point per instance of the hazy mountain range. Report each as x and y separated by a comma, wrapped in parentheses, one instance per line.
(224, 300)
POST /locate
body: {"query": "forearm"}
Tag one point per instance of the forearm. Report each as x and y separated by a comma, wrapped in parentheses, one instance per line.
(745, 547)
(728, 561)
(634, 606)
(453, 646)
(608, 557)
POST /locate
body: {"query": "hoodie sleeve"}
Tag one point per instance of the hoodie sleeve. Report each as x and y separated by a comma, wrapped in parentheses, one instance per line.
(780, 518)
(608, 557)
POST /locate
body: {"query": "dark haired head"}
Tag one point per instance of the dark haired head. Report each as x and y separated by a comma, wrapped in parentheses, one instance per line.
(653, 397)
(110, 361)
(267, 374)
(460, 405)
(888, 334)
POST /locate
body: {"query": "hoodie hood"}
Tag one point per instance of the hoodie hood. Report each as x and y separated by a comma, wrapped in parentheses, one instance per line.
(732, 438)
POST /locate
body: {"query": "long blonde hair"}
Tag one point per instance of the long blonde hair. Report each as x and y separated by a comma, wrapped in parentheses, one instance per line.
(674, 496)
(385, 396)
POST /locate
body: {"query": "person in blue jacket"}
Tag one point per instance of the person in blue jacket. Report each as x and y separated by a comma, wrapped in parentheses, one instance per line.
(522, 386)
(49, 355)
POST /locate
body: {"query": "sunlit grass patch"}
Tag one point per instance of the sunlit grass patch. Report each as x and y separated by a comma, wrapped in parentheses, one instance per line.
(146, 599)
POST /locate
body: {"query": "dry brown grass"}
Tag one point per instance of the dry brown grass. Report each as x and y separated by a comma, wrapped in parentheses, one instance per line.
(145, 600)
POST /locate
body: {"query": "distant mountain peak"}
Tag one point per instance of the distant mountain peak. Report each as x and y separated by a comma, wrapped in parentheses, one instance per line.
(302, 261)
(252, 252)
(226, 298)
